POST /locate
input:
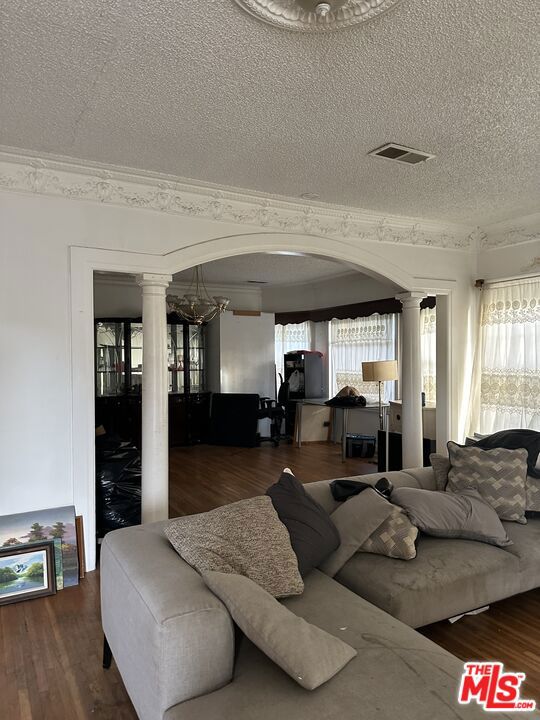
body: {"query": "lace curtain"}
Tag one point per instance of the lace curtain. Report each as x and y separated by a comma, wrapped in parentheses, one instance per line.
(291, 337)
(507, 366)
(354, 341)
(428, 352)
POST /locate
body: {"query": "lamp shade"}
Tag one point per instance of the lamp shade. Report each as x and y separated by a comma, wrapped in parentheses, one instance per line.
(379, 371)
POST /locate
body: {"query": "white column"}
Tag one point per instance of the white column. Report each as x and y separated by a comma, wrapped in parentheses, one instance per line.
(444, 365)
(155, 410)
(411, 380)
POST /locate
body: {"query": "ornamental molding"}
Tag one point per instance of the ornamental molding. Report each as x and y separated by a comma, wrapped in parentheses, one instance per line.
(517, 231)
(108, 185)
(332, 15)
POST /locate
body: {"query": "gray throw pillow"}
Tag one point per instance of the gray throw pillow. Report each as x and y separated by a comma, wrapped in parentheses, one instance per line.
(244, 537)
(532, 491)
(394, 538)
(308, 654)
(461, 515)
(441, 466)
(356, 519)
(498, 475)
(312, 532)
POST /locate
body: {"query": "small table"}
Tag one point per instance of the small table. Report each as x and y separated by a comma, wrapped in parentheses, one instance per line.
(370, 407)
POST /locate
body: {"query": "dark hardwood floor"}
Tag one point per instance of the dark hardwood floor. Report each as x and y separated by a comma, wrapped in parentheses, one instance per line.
(50, 648)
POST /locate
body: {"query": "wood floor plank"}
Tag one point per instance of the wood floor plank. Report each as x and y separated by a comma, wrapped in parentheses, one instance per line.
(50, 648)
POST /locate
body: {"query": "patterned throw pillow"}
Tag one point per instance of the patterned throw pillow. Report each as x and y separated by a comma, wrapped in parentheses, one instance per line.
(498, 475)
(441, 466)
(246, 538)
(395, 537)
(532, 491)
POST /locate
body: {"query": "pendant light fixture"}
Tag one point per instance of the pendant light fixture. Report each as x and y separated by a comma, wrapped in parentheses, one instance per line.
(197, 306)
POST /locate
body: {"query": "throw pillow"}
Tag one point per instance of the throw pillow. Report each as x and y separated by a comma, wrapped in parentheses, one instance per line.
(498, 475)
(532, 491)
(441, 466)
(512, 440)
(356, 519)
(395, 537)
(245, 537)
(308, 654)
(313, 534)
(462, 515)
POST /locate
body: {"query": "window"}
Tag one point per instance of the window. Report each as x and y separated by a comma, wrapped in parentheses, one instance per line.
(508, 358)
(291, 337)
(428, 352)
(354, 341)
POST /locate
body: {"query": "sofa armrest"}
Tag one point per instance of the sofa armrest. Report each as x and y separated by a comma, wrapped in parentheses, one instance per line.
(171, 638)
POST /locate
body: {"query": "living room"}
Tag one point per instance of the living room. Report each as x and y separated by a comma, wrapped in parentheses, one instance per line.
(316, 191)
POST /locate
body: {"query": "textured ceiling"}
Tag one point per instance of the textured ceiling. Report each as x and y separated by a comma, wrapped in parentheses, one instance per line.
(270, 268)
(203, 90)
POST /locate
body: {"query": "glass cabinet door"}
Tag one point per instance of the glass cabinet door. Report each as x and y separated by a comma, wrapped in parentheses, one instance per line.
(175, 358)
(136, 345)
(196, 358)
(110, 359)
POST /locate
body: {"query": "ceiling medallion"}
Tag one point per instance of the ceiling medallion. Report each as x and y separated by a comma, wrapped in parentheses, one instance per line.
(314, 16)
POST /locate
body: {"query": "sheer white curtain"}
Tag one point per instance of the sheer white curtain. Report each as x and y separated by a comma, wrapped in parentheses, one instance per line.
(295, 336)
(428, 352)
(354, 341)
(507, 366)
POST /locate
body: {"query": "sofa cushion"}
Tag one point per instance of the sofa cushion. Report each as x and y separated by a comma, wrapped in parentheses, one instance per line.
(246, 538)
(309, 655)
(498, 475)
(447, 577)
(313, 534)
(526, 547)
(397, 673)
(452, 515)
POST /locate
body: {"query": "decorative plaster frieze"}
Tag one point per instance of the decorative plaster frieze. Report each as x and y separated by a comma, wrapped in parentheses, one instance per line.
(163, 193)
(512, 232)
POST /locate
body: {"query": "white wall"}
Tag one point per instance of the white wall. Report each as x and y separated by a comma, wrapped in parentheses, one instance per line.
(41, 464)
(247, 354)
(343, 290)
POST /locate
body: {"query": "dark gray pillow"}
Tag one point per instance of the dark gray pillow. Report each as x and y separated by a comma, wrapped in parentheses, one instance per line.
(313, 534)
(452, 515)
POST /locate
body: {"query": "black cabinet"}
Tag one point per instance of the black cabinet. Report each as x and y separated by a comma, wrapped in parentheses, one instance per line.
(119, 372)
(304, 373)
(395, 451)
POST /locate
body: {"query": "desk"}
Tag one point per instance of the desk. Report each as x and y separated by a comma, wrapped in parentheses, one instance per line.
(371, 408)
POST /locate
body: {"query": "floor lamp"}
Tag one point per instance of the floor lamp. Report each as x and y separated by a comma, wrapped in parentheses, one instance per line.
(381, 371)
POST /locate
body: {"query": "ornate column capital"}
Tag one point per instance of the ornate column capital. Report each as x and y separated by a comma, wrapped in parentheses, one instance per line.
(154, 280)
(411, 299)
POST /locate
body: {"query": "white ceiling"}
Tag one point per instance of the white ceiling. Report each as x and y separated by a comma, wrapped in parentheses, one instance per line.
(205, 91)
(271, 269)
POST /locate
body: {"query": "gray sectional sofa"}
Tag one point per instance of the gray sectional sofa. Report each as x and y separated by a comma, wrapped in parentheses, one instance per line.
(174, 641)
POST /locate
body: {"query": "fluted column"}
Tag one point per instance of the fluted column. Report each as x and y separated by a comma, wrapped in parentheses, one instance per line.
(155, 410)
(411, 380)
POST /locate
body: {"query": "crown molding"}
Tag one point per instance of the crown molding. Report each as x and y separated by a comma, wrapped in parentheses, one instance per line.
(176, 287)
(50, 176)
(516, 231)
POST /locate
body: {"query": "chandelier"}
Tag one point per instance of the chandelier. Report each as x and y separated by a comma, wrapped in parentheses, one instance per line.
(315, 16)
(197, 306)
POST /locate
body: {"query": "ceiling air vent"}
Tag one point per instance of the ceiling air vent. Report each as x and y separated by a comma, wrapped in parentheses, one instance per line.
(391, 151)
(258, 282)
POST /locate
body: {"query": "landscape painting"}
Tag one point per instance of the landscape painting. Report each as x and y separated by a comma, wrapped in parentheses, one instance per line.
(27, 572)
(54, 524)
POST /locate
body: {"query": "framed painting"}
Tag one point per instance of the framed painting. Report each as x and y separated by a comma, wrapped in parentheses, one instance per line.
(27, 571)
(38, 526)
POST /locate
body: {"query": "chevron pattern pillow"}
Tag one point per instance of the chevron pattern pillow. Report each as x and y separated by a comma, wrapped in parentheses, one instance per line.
(395, 537)
(532, 490)
(499, 476)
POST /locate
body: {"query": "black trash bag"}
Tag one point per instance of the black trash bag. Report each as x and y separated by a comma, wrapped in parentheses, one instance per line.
(118, 485)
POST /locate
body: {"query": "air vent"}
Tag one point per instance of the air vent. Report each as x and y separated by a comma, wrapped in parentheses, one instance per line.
(258, 282)
(403, 154)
